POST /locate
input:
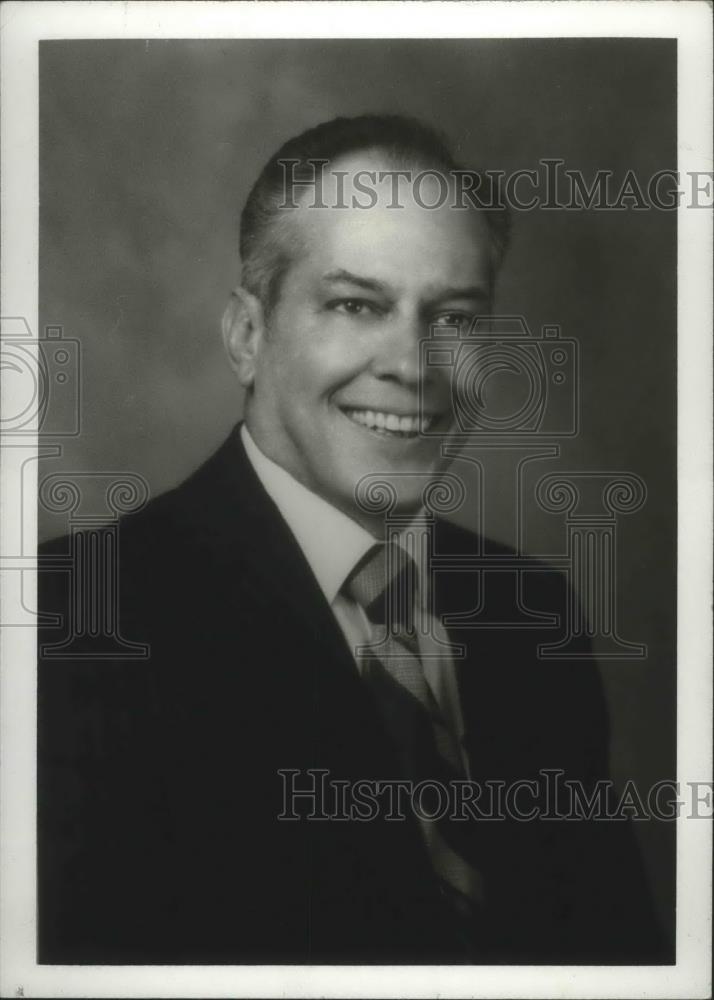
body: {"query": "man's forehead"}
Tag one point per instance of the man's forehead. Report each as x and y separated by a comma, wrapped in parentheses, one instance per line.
(386, 180)
(361, 220)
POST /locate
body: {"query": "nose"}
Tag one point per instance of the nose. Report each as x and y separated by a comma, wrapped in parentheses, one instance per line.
(396, 354)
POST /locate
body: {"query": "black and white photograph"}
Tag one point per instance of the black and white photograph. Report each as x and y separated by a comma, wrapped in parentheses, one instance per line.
(356, 495)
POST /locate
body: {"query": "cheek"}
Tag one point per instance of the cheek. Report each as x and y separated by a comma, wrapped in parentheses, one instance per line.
(316, 362)
(313, 348)
(338, 360)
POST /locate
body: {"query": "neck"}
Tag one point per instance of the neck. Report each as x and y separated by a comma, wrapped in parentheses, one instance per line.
(378, 510)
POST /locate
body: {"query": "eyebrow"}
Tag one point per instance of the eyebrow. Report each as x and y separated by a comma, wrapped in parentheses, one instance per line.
(374, 285)
(466, 292)
(340, 275)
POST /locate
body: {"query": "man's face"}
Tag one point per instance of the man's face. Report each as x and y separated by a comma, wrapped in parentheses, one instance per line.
(337, 379)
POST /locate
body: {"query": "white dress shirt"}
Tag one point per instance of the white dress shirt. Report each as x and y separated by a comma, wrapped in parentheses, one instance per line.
(333, 544)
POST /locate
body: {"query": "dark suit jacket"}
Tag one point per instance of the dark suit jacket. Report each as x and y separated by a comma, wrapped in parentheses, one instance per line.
(158, 778)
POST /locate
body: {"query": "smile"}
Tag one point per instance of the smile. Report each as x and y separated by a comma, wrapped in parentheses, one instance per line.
(390, 424)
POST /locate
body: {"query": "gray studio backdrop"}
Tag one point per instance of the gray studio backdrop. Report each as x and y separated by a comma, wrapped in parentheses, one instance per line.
(148, 149)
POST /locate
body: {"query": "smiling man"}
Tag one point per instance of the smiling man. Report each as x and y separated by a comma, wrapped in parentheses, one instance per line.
(235, 797)
(329, 355)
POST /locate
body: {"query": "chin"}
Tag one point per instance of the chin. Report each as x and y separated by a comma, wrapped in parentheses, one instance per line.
(375, 494)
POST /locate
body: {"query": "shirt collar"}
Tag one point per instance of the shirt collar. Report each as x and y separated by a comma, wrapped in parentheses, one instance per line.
(331, 541)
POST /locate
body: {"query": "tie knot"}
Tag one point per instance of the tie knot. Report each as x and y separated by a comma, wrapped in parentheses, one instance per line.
(384, 583)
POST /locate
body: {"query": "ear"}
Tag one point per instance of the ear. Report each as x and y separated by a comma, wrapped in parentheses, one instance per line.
(243, 330)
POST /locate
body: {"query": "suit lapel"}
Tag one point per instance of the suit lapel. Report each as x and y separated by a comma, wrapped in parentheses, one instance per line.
(244, 538)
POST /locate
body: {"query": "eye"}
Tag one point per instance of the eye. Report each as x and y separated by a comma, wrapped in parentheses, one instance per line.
(455, 318)
(354, 307)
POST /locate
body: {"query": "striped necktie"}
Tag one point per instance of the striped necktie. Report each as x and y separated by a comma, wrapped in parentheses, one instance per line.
(385, 584)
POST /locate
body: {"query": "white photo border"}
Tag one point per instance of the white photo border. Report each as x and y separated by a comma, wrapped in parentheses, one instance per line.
(23, 25)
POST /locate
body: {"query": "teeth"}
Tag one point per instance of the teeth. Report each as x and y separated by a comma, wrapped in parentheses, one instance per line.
(390, 422)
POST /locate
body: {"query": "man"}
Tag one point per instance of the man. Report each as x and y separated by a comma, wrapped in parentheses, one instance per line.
(189, 803)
